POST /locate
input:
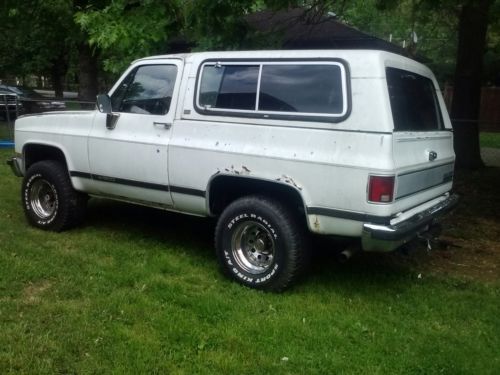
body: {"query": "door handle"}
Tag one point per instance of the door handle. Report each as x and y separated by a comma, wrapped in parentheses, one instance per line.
(166, 125)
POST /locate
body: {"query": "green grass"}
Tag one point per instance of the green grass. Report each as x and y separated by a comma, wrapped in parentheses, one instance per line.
(489, 139)
(5, 131)
(137, 290)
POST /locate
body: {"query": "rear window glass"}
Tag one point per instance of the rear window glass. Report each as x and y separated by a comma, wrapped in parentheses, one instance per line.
(414, 101)
(301, 88)
(274, 89)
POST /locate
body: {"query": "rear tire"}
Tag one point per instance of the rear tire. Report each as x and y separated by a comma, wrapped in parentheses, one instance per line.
(49, 200)
(261, 243)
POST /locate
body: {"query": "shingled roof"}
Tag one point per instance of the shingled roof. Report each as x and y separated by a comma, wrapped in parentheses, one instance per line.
(304, 29)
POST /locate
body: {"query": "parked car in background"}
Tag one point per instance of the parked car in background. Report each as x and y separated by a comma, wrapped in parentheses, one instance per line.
(10, 107)
(31, 101)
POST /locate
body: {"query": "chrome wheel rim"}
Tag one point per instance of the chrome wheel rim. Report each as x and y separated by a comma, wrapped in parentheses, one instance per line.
(253, 247)
(43, 198)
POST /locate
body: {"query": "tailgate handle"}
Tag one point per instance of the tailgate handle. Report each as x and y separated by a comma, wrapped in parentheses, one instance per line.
(432, 155)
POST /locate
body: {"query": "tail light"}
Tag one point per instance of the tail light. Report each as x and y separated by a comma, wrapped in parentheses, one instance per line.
(380, 189)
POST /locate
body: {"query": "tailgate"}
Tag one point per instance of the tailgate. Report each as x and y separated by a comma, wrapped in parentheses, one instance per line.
(424, 162)
(422, 140)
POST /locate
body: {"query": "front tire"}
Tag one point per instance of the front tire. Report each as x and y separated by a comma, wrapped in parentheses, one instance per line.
(261, 243)
(49, 200)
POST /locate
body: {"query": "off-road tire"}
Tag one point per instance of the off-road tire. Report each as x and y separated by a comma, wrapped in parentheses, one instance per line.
(261, 243)
(49, 200)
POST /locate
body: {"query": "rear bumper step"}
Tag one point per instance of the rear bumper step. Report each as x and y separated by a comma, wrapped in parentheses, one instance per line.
(376, 237)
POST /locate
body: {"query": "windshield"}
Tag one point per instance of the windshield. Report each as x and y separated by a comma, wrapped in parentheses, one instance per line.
(414, 101)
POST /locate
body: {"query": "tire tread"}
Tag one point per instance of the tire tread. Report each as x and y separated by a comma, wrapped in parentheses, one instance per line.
(72, 204)
(292, 228)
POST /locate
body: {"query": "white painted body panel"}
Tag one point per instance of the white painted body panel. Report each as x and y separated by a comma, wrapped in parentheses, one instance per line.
(131, 152)
(67, 131)
(327, 163)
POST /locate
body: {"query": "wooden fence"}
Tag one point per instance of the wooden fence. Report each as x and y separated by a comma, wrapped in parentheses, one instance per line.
(489, 113)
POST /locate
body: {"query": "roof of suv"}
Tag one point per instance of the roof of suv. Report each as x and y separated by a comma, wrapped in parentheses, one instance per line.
(361, 63)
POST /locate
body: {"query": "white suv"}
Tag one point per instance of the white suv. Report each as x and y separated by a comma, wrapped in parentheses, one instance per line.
(273, 143)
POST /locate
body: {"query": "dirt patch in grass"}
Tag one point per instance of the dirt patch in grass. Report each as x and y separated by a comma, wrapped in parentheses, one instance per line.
(469, 246)
(459, 258)
(33, 292)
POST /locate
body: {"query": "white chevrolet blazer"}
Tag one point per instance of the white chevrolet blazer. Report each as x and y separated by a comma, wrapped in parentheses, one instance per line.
(275, 144)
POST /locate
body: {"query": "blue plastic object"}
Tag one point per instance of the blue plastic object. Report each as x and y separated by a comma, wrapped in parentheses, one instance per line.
(6, 144)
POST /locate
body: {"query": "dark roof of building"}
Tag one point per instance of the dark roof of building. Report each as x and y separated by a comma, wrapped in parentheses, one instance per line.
(304, 29)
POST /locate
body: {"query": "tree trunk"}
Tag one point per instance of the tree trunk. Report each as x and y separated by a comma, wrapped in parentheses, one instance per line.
(88, 69)
(472, 28)
(58, 73)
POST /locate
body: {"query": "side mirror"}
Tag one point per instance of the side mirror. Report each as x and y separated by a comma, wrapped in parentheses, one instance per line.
(104, 103)
(104, 106)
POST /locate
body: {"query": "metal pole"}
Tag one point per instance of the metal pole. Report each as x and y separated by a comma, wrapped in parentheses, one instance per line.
(7, 114)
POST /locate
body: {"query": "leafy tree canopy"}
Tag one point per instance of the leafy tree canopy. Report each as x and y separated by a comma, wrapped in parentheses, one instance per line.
(33, 34)
(35, 31)
(125, 30)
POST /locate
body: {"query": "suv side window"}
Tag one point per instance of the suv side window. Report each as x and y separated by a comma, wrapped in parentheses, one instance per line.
(146, 90)
(229, 87)
(296, 90)
(301, 88)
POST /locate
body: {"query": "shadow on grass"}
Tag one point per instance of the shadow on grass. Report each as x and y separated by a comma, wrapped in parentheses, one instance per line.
(195, 236)
(366, 272)
(479, 193)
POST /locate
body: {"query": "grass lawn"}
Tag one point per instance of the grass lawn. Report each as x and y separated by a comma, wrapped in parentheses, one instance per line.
(489, 139)
(5, 131)
(137, 290)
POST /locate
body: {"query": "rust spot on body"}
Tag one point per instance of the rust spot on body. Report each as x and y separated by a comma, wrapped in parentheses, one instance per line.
(316, 222)
(244, 170)
(289, 180)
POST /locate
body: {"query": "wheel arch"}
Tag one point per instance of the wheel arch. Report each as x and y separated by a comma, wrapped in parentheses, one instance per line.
(223, 189)
(35, 152)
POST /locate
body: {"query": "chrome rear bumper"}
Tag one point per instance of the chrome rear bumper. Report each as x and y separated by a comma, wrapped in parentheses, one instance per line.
(376, 237)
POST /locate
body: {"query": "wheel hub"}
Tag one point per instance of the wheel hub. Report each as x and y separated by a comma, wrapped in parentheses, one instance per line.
(43, 198)
(253, 247)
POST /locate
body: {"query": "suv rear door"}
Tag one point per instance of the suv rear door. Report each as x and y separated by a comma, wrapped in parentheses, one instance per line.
(422, 137)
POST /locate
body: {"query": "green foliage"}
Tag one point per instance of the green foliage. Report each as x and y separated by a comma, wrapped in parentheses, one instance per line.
(492, 56)
(434, 23)
(125, 30)
(33, 34)
(489, 139)
(217, 25)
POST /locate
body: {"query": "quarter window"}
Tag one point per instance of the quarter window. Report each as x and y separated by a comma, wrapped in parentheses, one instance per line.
(301, 88)
(147, 89)
(274, 89)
